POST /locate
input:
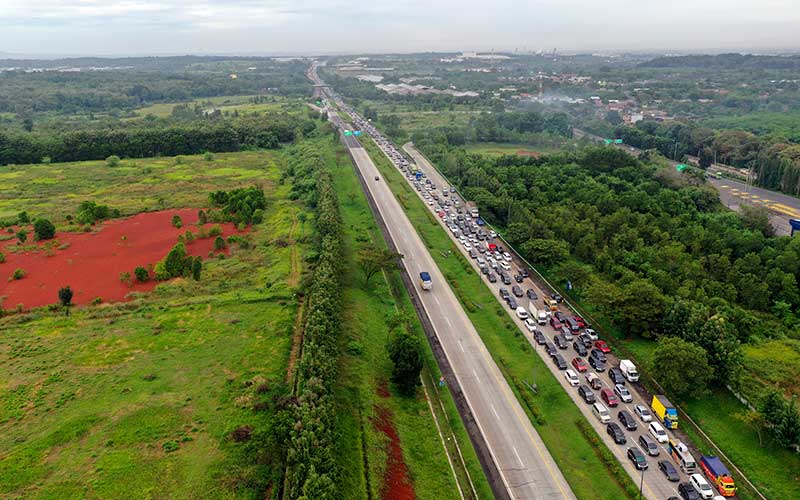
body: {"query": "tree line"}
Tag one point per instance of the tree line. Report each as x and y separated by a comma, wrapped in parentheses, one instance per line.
(654, 255)
(139, 142)
(311, 470)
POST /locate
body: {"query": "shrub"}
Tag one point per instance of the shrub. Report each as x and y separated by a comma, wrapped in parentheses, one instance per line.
(23, 218)
(197, 267)
(201, 217)
(242, 434)
(44, 229)
(125, 278)
(97, 301)
(219, 243)
(112, 161)
(22, 235)
(214, 231)
(177, 221)
(141, 274)
(46, 160)
(188, 236)
(208, 156)
(2, 257)
(160, 272)
(19, 273)
(170, 446)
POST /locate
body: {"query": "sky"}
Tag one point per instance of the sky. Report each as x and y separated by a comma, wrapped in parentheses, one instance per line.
(275, 27)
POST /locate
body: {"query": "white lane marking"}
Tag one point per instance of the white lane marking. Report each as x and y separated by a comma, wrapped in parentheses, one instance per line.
(494, 411)
(521, 463)
(436, 299)
(474, 373)
(447, 320)
(461, 345)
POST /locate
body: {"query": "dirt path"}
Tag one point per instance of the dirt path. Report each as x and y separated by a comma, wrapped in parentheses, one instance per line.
(294, 274)
(297, 340)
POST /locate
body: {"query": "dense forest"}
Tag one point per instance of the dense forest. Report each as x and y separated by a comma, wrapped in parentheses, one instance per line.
(725, 61)
(654, 253)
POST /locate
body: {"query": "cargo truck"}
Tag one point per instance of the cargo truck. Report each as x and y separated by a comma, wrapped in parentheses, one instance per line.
(539, 315)
(665, 411)
(680, 453)
(629, 370)
(718, 475)
(425, 281)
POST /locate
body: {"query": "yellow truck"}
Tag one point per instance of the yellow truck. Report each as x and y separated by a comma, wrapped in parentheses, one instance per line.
(666, 411)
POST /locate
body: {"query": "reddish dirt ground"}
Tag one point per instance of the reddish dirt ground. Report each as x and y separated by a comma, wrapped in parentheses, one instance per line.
(396, 481)
(523, 152)
(92, 262)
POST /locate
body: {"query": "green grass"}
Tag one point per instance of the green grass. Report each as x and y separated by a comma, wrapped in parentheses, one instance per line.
(241, 103)
(784, 125)
(138, 400)
(134, 186)
(556, 415)
(367, 308)
(498, 148)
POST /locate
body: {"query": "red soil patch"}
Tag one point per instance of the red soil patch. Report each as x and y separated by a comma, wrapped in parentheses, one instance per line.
(396, 481)
(90, 263)
(523, 152)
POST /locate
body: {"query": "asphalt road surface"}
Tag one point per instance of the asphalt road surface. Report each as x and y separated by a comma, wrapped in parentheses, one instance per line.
(655, 485)
(527, 469)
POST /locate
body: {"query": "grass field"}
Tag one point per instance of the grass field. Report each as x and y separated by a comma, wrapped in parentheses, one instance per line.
(365, 371)
(134, 186)
(498, 149)
(241, 103)
(551, 410)
(138, 400)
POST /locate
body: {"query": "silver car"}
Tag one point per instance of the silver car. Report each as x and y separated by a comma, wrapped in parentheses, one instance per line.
(643, 413)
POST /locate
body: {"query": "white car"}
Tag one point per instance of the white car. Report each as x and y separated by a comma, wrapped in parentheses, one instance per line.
(623, 393)
(701, 485)
(530, 324)
(601, 413)
(572, 378)
(481, 261)
(522, 313)
(643, 413)
(467, 246)
(592, 334)
(505, 266)
(507, 256)
(658, 432)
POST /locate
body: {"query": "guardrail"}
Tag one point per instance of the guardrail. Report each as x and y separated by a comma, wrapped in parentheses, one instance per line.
(577, 309)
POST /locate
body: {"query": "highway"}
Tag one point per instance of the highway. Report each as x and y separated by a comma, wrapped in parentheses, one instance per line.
(734, 193)
(527, 469)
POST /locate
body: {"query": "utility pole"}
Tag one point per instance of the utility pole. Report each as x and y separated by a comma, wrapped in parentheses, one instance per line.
(641, 485)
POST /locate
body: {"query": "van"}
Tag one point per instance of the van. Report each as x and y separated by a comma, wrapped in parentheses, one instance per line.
(601, 413)
(573, 324)
(649, 445)
(658, 432)
(594, 380)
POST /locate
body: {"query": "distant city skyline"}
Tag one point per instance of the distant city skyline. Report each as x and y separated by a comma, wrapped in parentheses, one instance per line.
(150, 27)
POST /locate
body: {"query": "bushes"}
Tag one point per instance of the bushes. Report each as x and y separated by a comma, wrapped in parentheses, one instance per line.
(177, 263)
(19, 273)
(44, 229)
(243, 205)
(177, 222)
(608, 458)
(90, 212)
(141, 274)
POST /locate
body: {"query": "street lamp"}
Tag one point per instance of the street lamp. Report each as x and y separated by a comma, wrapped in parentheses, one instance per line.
(641, 485)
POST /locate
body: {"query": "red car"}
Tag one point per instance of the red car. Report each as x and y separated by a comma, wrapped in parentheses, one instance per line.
(609, 397)
(555, 323)
(602, 346)
(580, 364)
(580, 321)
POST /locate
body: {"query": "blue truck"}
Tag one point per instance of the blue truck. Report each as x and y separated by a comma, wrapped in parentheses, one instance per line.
(425, 280)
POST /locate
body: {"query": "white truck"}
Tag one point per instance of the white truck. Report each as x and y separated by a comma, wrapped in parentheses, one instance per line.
(540, 315)
(629, 370)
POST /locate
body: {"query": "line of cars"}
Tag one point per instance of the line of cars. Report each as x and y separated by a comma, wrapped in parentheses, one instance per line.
(497, 264)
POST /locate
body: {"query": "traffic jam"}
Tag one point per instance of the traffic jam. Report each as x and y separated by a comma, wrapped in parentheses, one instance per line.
(604, 387)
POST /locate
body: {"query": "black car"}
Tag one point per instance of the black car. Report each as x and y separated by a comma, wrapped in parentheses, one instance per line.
(597, 364)
(580, 348)
(558, 298)
(560, 341)
(492, 278)
(616, 376)
(627, 420)
(597, 354)
(506, 279)
(669, 470)
(636, 456)
(550, 348)
(560, 316)
(518, 278)
(539, 337)
(517, 291)
(616, 433)
(524, 272)
(485, 270)
(688, 492)
(504, 293)
(531, 294)
(560, 362)
(512, 303)
(586, 393)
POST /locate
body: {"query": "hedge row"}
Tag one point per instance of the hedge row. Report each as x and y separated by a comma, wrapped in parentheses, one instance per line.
(311, 466)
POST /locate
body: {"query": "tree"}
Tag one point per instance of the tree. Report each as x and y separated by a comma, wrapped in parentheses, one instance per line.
(141, 274)
(197, 267)
(177, 222)
(112, 161)
(219, 243)
(372, 259)
(545, 251)
(614, 118)
(201, 217)
(65, 297)
(757, 219)
(23, 218)
(682, 367)
(175, 261)
(44, 229)
(22, 235)
(405, 353)
(705, 157)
